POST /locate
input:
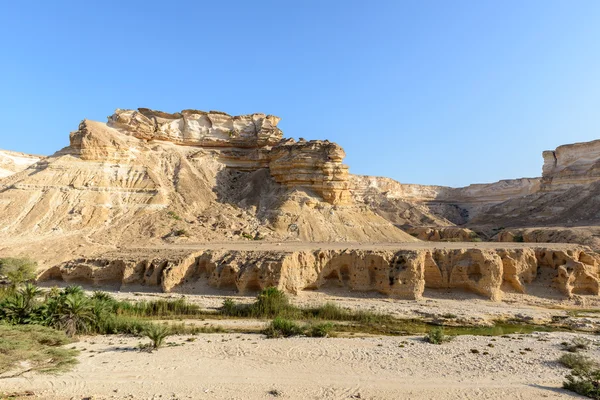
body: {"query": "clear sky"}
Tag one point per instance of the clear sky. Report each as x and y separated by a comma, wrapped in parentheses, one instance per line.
(433, 92)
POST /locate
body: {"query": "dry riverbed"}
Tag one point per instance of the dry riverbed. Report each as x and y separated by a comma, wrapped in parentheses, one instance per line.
(249, 366)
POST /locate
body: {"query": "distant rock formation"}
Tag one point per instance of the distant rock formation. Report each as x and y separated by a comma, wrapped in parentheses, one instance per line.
(12, 162)
(571, 164)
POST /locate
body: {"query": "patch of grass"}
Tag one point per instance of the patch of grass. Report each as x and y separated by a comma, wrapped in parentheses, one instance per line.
(37, 346)
(281, 327)
(577, 361)
(180, 232)
(437, 336)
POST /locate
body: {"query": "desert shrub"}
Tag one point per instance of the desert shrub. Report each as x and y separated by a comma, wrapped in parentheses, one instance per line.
(37, 346)
(333, 312)
(585, 383)
(577, 361)
(281, 327)
(232, 309)
(576, 344)
(320, 330)
(272, 302)
(18, 270)
(437, 336)
(157, 334)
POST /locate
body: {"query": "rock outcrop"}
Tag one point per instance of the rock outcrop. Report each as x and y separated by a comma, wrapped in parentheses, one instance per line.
(152, 177)
(199, 128)
(571, 164)
(12, 162)
(397, 273)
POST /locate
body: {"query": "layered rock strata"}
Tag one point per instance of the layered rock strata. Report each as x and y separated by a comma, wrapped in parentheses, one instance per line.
(400, 274)
(248, 143)
(571, 164)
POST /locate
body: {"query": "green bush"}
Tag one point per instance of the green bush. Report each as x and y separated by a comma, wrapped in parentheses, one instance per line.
(437, 336)
(281, 327)
(272, 302)
(585, 383)
(578, 362)
(320, 330)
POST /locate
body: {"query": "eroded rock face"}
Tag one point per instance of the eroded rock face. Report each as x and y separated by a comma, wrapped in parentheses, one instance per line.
(199, 128)
(571, 164)
(248, 143)
(400, 274)
(316, 164)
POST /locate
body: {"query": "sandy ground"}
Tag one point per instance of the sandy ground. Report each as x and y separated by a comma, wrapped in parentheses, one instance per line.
(229, 366)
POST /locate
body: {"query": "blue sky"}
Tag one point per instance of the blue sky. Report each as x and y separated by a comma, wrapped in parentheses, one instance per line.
(432, 92)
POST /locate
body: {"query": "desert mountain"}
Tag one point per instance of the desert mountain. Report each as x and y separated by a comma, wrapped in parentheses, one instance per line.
(148, 177)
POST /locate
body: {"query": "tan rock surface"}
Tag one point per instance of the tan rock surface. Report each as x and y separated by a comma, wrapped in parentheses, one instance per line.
(12, 162)
(401, 272)
(151, 177)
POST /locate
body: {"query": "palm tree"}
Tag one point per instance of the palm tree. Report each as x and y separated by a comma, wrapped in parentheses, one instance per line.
(76, 314)
(158, 334)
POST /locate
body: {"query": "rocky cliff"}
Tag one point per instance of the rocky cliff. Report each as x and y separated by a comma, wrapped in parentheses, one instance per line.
(399, 273)
(572, 164)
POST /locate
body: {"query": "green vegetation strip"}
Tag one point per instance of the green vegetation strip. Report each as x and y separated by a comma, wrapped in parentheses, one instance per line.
(25, 348)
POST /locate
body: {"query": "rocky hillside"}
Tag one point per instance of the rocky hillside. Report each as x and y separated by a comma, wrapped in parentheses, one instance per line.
(148, 177)
(561, 206)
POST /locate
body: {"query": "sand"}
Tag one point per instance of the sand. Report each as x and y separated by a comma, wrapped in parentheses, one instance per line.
(230, 366)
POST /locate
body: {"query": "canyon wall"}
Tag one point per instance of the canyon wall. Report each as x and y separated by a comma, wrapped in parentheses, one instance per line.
(397, 273)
